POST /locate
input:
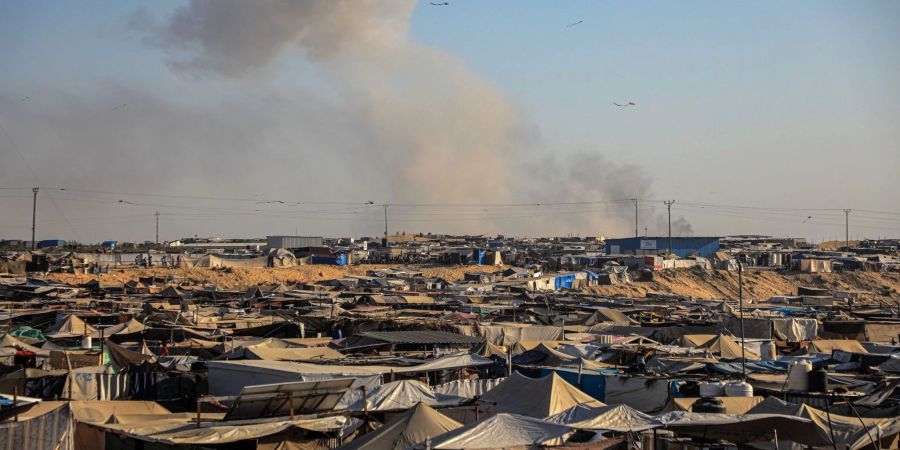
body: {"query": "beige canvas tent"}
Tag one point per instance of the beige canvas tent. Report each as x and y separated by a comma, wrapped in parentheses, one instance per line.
(411, 428)
(504, 431)
(535, 397)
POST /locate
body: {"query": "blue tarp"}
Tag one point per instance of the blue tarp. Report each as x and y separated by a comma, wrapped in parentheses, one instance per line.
(786, 310)
(564, 281)
(338, 260)
(752, 367)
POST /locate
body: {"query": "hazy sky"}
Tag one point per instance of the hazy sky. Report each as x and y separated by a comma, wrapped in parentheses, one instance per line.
(237, 118)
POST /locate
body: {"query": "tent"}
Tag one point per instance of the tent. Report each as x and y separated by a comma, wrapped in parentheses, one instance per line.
(503, 431)
(536, 397)
(725, 346)
(745, 428)
(733, 405)
(830, 345)
(70, 327)
(404, 394)
(848, 431)
(621, 418)
(411, 428)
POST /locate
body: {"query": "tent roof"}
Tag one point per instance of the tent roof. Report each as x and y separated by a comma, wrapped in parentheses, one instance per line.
(503, 431)
(830, 345)
(545, 396)
(413, 427)
(621, 418)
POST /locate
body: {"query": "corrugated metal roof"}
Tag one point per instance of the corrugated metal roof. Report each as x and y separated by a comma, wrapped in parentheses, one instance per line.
(420, 337)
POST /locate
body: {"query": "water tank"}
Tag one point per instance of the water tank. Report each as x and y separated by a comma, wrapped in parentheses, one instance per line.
(767, 351)
(337, 334)
(708, 405)
(87, 342)
(798, 378)
(818, 380)
(711, 388)
(739, 389)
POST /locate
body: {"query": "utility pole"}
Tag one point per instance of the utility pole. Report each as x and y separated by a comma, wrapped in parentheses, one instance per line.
(157, 227)
(385, 226)
(635, 201)
(33, 217)
(669, 207)
(847, 229)
(741, 306)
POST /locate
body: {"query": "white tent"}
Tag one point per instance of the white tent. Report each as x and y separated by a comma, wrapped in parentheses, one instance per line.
(503, 431)
(404, 394)
(621, 418)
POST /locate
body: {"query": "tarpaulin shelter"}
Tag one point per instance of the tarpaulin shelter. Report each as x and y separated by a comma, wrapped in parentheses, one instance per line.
(743, 428)
(46, 426)
(795, 330)
(830, 345)
(621, 418)
(849, 432)
(70, 327)
(732, 405)
(409, 429)
(404, 394)
(535, 397)
(503, 431)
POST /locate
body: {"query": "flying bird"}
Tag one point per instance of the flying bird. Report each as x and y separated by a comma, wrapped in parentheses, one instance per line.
(626, 104)
(573, 24)
(807, 218)
(439, 4)
(24, 98)
(117, 107)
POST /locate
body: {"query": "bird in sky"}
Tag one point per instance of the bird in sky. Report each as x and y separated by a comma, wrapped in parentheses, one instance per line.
(573, 24)
(807, 218)
(439, 4)
(626, 104)
(25, 98)
(117, 107)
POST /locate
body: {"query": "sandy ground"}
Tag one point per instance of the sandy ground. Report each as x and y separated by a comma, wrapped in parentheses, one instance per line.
(758, 285)
(242, 278)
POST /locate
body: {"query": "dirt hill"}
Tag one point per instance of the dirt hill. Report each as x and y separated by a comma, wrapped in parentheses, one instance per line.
(758, 285)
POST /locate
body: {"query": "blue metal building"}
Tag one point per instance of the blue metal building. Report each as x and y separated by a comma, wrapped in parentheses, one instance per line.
(681, 246)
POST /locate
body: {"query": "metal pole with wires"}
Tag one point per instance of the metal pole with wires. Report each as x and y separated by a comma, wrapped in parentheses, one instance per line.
(669, 207)
(635, 201)
(33, 217)
(847, 229)
(741, 312)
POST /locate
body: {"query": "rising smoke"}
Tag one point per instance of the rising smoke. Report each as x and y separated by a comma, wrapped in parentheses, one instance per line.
(402, 122)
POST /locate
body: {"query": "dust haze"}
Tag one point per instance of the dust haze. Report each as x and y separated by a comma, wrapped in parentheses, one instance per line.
(399, 123)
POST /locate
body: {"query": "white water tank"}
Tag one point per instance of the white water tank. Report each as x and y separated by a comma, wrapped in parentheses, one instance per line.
(738, 389)
(767, 351)
(87, 342)
(798, 376)
(712, 388)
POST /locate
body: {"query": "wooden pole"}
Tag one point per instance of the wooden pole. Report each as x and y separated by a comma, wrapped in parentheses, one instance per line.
(16, 403)
(291, 403)
(198, 413)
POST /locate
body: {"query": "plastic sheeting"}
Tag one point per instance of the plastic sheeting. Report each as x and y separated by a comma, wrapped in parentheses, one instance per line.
(642, 394)
(503, 431)
(47, 426)
(404, 394)
(795, 330)
(468, 388)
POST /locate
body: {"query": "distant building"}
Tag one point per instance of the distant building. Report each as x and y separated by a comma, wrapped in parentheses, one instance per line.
(290, 242)
(681, 246)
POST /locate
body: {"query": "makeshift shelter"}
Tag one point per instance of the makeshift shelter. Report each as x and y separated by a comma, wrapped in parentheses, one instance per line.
(725, 346)
(409, 429)
(404, 394)
(830, 345)
(746, 428)
(535, 397)
(503, 431)
(849, 432)
(621, 418)
(70, 327)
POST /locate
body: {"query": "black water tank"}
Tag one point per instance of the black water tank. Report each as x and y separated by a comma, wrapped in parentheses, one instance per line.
(708, 405)
(818, 380)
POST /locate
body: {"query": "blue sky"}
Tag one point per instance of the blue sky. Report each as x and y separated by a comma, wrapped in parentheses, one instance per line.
(766, 104)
